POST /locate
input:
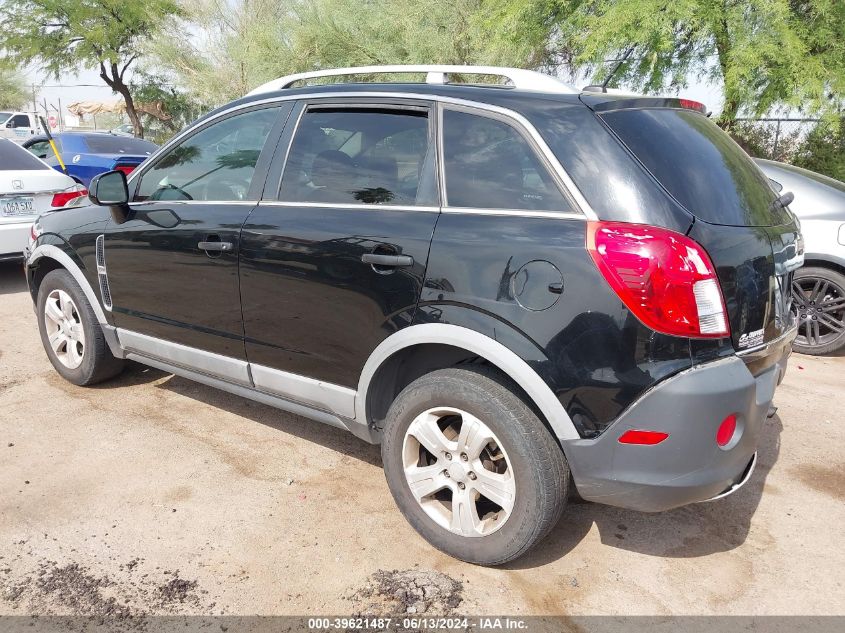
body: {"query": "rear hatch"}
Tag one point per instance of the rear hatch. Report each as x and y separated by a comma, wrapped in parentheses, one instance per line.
(754, 242)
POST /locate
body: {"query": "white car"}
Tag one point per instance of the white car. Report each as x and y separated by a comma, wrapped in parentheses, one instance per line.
(28, 188)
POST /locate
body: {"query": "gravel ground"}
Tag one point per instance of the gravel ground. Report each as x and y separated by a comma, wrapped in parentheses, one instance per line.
(151, 494)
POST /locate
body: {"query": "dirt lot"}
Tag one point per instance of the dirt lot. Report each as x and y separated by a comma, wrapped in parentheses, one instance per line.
(153, 494)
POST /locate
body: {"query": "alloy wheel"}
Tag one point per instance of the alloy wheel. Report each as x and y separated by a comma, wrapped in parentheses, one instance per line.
(458, 472)
(820, 306)
(64, 329)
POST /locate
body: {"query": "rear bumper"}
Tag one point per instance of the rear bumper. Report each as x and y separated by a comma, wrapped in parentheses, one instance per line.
(688, 466)
(14, 238)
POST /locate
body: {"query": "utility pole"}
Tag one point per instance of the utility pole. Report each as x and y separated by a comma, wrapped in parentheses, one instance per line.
(34, 103)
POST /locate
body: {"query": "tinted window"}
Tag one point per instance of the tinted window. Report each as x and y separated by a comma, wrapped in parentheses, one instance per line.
(107, 144)
(14, 156)
(217, 163)
(698, 164)
(358, 156)
(490, 165)
(20, 120)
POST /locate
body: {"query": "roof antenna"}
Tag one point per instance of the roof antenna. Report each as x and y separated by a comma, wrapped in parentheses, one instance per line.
(603, 86)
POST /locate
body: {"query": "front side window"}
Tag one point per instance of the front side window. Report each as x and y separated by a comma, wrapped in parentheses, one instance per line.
(19, 120)
(215, 164)
(358, 156)
(488, 164)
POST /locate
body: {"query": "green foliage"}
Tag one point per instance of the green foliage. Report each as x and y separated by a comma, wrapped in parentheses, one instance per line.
(763, 140)
(765, 53)
(13, 91)
(180, 107)
(824, 151)
(63, 36)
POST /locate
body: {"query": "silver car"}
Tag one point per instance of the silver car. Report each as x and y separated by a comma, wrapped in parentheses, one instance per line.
(819, 287)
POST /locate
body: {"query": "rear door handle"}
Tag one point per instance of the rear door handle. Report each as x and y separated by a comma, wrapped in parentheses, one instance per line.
(216, 247)
(387, 260)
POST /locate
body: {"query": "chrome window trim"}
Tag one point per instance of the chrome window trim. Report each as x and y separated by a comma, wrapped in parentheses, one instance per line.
(523, 213)
(352, 205)
(557, 168)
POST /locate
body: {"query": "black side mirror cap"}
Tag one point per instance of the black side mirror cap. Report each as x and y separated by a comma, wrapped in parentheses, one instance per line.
(109, 189)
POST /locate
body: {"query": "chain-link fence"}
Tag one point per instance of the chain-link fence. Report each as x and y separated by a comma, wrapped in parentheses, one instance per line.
(815, 144)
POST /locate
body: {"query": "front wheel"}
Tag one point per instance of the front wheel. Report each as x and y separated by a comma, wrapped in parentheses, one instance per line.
(471, 466)
(818, 296)
(70, 332)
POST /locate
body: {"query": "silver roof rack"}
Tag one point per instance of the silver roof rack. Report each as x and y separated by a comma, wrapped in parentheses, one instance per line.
(434, 74)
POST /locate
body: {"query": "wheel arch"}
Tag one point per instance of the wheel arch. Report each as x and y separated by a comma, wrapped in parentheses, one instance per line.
(48, 257)
(418, 349)
(820, 261)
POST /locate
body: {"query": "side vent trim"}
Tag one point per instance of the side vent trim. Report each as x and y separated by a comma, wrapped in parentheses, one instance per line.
(102, 276)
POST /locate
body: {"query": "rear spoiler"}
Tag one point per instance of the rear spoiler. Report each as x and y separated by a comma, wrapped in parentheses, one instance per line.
(604, 102)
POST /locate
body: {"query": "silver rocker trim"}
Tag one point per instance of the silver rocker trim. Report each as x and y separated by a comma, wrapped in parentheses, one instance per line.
(314, 393)
(481, 345)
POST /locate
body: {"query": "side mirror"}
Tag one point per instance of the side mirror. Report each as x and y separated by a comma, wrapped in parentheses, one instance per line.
(109, 189)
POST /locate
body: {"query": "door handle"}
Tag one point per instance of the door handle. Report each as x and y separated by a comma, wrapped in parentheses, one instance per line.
(215, 247)
(387, 260)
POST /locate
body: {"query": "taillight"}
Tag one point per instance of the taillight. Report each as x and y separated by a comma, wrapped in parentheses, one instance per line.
(61, 199)
(126, 169)
(664, 278)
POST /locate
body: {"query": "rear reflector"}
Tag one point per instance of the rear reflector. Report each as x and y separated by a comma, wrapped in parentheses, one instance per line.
(664, 278)
(647, 438)
(61, 199)
(726, 430)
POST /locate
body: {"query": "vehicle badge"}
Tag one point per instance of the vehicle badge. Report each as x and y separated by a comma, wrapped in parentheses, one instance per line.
(77, 158)
(17, 184)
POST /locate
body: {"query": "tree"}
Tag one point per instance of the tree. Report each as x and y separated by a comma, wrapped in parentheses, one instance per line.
(63, 36)
(249, 42)
(178, 106)
(13, 92)
(765, 53)
(824, 150)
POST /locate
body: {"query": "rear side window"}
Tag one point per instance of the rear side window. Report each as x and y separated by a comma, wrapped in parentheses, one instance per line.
(490, 165)
(107, 144)
(360, 156)
(14, 156)
(699, 165)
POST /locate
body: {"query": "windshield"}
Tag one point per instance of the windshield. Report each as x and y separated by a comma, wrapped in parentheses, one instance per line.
(698, 164)
(4, 116)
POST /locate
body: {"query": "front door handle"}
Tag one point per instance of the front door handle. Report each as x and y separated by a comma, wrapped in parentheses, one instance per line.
(215, 247)
(377, 259)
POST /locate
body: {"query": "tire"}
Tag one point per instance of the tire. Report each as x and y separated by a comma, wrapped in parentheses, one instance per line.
(531, 486)
(80, 359)
(818, 296)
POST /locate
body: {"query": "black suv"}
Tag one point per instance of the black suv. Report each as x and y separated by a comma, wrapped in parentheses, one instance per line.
(511, 288)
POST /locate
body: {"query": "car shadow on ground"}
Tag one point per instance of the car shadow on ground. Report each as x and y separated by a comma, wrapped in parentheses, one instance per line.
(332, 438)
(688, 532)
(691, 531)
(12, 278)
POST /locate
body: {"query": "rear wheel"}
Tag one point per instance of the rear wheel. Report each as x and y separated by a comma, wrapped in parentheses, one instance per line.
(70, 332)
(471, 466)
(818, 296)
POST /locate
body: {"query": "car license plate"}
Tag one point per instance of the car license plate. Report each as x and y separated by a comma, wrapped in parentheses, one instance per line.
(16, 206)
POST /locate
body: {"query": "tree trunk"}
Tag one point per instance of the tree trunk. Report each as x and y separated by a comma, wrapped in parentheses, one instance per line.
(131, 112)
(730, 108)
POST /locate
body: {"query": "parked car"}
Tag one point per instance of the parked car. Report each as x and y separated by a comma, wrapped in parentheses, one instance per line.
(124, 129)
(19, 126)
(508, 288)
(86, 154)
(819, 287)
(28, 187)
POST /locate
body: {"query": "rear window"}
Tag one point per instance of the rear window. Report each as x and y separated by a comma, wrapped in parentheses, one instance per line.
(106, 144)
(14, 156)
(699, 165)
